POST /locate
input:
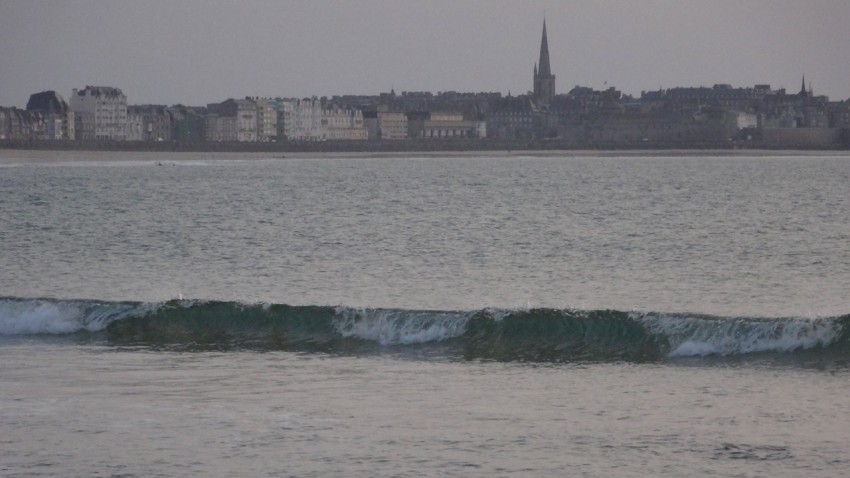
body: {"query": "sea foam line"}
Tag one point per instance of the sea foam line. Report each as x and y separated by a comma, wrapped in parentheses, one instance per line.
(400, 327)
(701, 336)
(45, 316)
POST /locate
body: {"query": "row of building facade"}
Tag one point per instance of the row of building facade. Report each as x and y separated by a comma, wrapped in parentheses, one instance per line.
(582, 116)
(100, 113)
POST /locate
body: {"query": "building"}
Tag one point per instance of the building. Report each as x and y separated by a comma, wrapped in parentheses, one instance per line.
(839, 114)
(231, 120)
(246, 120)
(720, 96)
(266, 119)
(56, 115)
(443, 125)
(512, 118)
(220, 123)
(309, 120)
(220, 128)
(370, 121)
(187, 123)
(342, 124)
(148, 123)
(100, 113)
(5, 123)
(14, 123)
(384, 124)
(392, 125)
(544, 80)
(302, 119)
(134, 126)
(526, 116)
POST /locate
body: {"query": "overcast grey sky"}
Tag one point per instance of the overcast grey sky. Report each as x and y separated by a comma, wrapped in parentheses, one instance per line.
(202, 51)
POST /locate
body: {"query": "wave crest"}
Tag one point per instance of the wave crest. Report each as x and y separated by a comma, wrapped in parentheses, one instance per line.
(705, 335)
(400, 327)
(491, 334)
(48, 316)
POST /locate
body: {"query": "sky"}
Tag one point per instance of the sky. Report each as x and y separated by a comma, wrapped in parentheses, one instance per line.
(196, 52)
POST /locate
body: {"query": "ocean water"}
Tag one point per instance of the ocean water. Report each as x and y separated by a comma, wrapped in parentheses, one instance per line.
(583, 314)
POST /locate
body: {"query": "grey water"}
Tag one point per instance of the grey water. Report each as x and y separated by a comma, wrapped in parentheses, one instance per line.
(759, 237)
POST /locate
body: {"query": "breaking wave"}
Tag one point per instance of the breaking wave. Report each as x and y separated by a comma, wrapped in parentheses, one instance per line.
(544, 335)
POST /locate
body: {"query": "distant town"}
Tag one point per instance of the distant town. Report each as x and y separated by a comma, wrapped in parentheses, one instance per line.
(720, 116)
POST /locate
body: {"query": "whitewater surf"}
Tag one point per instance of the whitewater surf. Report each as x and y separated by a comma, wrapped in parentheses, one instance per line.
(546, 335)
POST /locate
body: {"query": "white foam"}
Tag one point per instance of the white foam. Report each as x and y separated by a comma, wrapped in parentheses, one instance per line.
(42, 316)
(700, 336)
(398, 327)
(39, 317)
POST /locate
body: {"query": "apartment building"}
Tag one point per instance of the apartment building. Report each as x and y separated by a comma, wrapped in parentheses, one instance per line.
(55, 114)
(100, 113)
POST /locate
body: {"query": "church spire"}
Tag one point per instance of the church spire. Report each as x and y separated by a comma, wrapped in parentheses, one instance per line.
(544, 69)
(544, 80)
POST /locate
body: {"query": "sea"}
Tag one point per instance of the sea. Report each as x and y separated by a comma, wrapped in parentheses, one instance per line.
(582, 314)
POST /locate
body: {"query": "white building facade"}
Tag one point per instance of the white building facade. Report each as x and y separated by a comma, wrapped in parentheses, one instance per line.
(135, 127)
(302, 119)
(100, 113)
(342, 124)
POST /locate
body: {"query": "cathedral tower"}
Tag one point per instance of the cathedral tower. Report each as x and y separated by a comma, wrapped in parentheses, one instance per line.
(544, 80)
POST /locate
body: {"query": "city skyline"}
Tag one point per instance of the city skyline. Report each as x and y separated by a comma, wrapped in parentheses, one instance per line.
(201, 52)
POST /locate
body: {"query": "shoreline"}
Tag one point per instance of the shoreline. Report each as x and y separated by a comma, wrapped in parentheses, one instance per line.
(40, 156)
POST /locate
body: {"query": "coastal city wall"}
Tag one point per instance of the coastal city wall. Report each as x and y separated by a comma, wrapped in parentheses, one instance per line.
(831, 139)
(805, 138)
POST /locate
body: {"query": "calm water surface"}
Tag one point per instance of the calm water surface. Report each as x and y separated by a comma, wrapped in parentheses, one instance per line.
(760, 236)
